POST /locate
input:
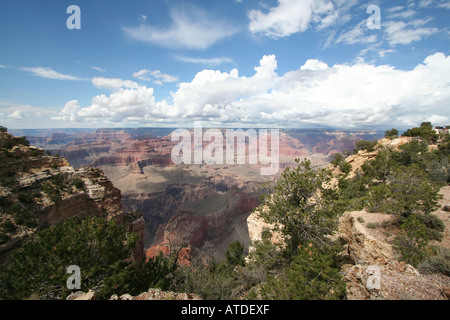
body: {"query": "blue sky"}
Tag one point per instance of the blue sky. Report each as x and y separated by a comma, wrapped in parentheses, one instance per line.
(229, 63)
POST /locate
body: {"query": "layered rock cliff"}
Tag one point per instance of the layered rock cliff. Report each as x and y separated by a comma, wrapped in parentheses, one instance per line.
(375, 271)
(38, 190)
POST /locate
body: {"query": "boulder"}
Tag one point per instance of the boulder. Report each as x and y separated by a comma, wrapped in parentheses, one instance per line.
(80, 295)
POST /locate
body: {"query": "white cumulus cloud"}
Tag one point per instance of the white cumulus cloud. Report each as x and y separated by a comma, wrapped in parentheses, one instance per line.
(113, 83)
(343, 95)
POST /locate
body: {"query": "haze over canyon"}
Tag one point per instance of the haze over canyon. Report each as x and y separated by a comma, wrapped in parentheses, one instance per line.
(187, 205)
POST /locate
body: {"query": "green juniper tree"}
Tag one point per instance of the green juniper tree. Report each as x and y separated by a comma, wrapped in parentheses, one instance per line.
(97, 247)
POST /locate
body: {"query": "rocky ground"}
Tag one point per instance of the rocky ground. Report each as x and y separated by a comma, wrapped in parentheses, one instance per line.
(151, 294)
(370, 247)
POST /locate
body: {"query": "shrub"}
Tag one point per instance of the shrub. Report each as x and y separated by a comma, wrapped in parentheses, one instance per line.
(51, 191)
(435, 226)
(22, 141)
(413, 240)
(25, 197)
(439, 262)
(425, 132)
(337, 160)
(346, 167)
(391, 134)
(312, 275)
(235, 254)
(293, 203)
(8, 226)
(98, 247)
(380, 167)
(5, 202)
(365, 145)
(208, 284)
(78, 183)
(373, 225)
(378, 200)
(411, 192)
(4, 237)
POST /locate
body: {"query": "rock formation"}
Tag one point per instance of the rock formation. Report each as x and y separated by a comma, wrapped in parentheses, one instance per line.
(151, 294)
(138, 162)
(375, 272)
(39, 190)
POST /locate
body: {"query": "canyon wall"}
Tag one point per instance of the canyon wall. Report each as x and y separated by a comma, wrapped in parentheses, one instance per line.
(202, 203)
(38, 190)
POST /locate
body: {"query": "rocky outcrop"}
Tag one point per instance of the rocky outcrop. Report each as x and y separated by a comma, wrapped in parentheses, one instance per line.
(194, 229)
(362, 246)
(392, 281)
(358, 159)
(80, 295)
(156, 294)
(151, 294)
(38, 190)
(256, 226)
(374, 271)
(183, 255)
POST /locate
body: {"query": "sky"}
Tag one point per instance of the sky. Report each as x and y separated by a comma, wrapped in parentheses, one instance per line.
(228, 63)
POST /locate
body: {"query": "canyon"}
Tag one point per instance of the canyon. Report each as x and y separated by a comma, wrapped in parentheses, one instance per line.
(186, 206)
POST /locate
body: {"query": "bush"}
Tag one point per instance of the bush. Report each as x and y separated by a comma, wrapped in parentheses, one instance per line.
(78, 183)
(435, 226)
(4, 237)
(337, 159)
(51, 191)
(391, 134)
(413, 241)
(25, 197)
(373, 225)
(346, 167)
(98, 247)
(365, 145)
(208, 284)
(432, 222)
(425, 132)
(8, 226)
(235, 254)
(22, 141)
(380, 167)
(312, 275)
(444, 148)
(293, 203)
(5, 202)
(411, 153)
(439, 262)
(412, 192)
(378, 200)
